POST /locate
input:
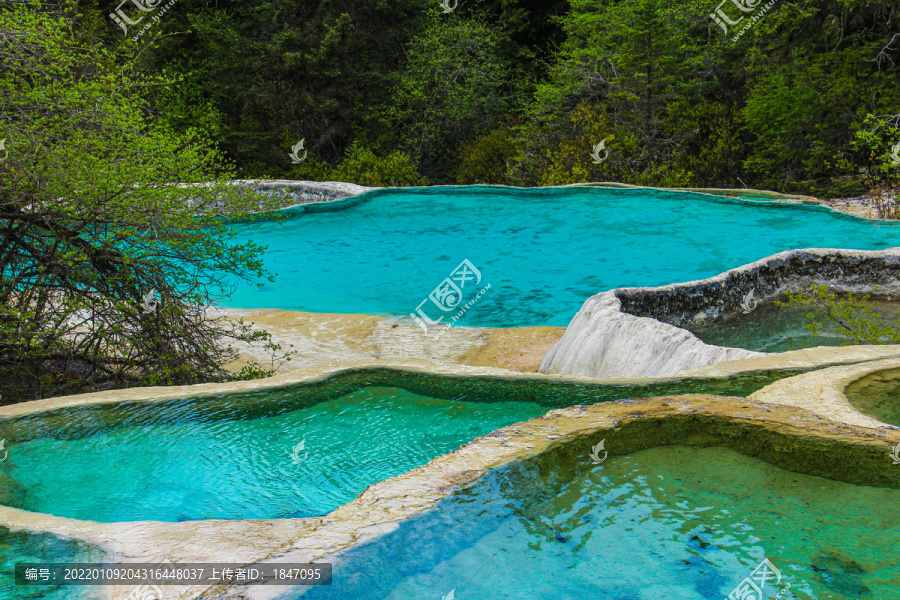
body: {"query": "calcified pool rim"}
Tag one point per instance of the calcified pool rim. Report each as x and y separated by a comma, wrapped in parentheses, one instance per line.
(829, 387)
(788, 432)
(311, 196)
(642, 331)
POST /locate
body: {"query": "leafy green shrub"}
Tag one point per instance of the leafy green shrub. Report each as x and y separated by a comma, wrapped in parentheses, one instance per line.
(855, 319)
(362, 166)
(484, 159)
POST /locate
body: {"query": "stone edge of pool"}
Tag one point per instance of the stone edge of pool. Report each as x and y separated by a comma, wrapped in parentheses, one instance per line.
(628, 332)
(150, 541)
(828, 386)
(788, 437)
(301, 192)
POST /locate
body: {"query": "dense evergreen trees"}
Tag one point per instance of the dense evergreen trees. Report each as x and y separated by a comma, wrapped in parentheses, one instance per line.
(518, 91)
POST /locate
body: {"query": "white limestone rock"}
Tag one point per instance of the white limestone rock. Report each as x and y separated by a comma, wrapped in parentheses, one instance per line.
(602, 341)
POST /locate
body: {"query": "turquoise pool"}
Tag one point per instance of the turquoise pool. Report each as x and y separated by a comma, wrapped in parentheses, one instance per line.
(170, 461)
(543, 251)
(774, 328)
(191, 468)
(877, 395)
(671, 522)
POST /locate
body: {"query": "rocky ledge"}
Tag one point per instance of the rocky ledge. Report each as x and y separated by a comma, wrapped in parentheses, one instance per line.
(638, 332)
(296, 193)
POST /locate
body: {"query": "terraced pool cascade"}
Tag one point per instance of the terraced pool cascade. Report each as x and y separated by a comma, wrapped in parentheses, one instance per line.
(686, 523)
(299, 451)
(774, 328)
(385, 251)
(27, 547)
(877, 395)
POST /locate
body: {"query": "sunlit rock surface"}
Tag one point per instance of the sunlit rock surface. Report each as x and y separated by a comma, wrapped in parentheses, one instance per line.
(603, 341)
(637, 332)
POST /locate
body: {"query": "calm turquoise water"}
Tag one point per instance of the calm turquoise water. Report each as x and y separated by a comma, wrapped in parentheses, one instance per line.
(244, 469)
(671, 522)
(171, 461)
(543, 251)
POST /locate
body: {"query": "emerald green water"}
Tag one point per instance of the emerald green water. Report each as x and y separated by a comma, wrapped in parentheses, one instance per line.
(877, 395)
(231, 457)
(680, 523)
(544, 251)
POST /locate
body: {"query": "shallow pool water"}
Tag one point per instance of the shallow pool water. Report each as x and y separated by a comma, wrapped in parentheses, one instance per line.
(170, 461)
(543, 251)
(26, 547)
(774, 328)
(236, 456)
(670, 522)
(877, 395)
(301, 463)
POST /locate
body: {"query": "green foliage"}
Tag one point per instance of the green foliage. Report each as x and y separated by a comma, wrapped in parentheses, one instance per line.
(112, 238)
(816, 69)
(282, 70)
(854, 317)
(364, 167)
(312, 168)
(455, 86)
(779, 107)
(623, 75)
(277, 354)
(486, 158)
(878, 138)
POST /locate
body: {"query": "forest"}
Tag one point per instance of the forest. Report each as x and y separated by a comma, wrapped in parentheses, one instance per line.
(109, 112)
(798, 96)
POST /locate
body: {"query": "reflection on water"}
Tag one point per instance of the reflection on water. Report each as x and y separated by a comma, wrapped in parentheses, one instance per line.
(774, 328)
